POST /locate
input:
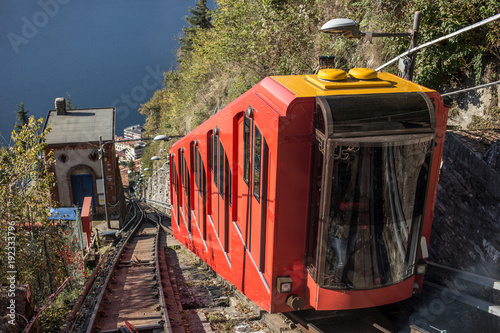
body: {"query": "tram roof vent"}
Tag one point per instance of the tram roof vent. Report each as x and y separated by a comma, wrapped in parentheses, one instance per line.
(326, 62)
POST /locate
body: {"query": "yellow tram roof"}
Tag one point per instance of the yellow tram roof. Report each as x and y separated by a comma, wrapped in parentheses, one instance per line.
(357, 81)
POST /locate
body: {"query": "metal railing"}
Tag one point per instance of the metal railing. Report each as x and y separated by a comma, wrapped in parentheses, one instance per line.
(477, 279)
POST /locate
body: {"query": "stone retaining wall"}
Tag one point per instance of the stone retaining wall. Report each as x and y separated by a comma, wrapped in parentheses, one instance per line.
(466, 225)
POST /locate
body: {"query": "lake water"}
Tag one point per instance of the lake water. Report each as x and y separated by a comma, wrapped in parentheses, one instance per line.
(102, 52)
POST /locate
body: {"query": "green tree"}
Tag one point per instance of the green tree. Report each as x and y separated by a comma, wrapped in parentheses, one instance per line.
(43, 256)
(22, 116)
(131, 165)
(201, 19)
(248, 40)
(69, 102)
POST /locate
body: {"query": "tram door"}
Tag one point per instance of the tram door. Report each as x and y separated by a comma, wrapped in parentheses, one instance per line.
(243, 186)
(253, 157)
(200, 191)
(220, 191)
(174, 197)
(186, 192)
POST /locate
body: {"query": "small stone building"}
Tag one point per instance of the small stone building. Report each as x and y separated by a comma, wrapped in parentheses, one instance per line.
(75, 140)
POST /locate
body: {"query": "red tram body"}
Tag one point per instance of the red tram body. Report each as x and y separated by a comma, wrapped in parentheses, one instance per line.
(313, 191)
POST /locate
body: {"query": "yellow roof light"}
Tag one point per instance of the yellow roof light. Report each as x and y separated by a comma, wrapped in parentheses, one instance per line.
(363, 73)
(331, 74)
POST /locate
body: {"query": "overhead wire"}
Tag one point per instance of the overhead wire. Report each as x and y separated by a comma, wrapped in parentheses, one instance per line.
(453, 34)
(470, 89)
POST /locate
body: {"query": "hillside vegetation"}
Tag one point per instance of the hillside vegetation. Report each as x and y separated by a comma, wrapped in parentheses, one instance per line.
(226, 51)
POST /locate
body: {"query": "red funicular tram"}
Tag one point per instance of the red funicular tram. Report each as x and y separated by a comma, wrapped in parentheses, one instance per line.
(314, 190)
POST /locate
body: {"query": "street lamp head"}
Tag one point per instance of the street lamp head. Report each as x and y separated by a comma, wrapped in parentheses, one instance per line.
(155, 158)
(349, 28)
(161, 138)
(147, 169)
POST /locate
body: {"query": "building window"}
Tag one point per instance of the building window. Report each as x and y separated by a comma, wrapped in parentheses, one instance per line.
(63, 158)
(93, 156)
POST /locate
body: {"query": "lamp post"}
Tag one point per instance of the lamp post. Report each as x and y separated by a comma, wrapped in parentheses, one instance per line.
(101, 152)
(350, 29)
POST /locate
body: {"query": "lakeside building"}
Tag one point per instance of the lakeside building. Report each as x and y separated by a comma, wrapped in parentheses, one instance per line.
(133, 132)
(129, 150)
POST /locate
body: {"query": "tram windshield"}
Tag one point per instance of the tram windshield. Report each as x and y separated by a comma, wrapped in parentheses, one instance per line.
(374, 210)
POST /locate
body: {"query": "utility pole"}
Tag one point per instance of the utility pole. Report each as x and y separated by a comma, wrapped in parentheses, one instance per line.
(413, 43)
(101, 157)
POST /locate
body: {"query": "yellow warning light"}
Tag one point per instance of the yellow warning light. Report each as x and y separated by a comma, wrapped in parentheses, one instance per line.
(363, 73)
(332, 74)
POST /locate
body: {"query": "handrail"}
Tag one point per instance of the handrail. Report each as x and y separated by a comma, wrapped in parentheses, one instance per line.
(464, 298)
(159, 203)
(468, 276)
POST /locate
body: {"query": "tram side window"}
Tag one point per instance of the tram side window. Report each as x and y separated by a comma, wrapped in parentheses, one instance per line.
(257, 159)
(210, 152)
(228, 180)
(222, 154)
(175, 179)
(180, 177)
(201, 173)
(246, 145)
(183, 172)
(215, 156)
(194, 159)
(185, 176)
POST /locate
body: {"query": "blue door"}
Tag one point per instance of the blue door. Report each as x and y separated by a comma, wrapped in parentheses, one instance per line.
(82, 187)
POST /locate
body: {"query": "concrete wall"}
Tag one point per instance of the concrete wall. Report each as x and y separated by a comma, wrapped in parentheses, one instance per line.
(64, 170)
(80, 159)
(158, 186)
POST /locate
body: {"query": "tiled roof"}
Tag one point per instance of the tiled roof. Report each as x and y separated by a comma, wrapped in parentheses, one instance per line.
(81, 125)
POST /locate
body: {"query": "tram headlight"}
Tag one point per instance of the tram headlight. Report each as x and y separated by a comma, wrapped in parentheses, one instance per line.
(284, 284)
(421, 267)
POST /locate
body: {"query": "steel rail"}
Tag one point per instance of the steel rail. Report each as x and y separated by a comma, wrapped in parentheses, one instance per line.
(167, 324)
(76, 314)
(113, 266)
(159, 203)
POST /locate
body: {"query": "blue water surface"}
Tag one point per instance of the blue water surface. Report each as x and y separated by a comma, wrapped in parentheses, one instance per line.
(102, 52)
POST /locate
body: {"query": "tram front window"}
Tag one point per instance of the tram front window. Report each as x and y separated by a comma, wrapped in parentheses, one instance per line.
(377, 197)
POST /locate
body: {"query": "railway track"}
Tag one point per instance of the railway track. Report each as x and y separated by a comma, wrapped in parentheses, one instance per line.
(133, 292)
(136, 287)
